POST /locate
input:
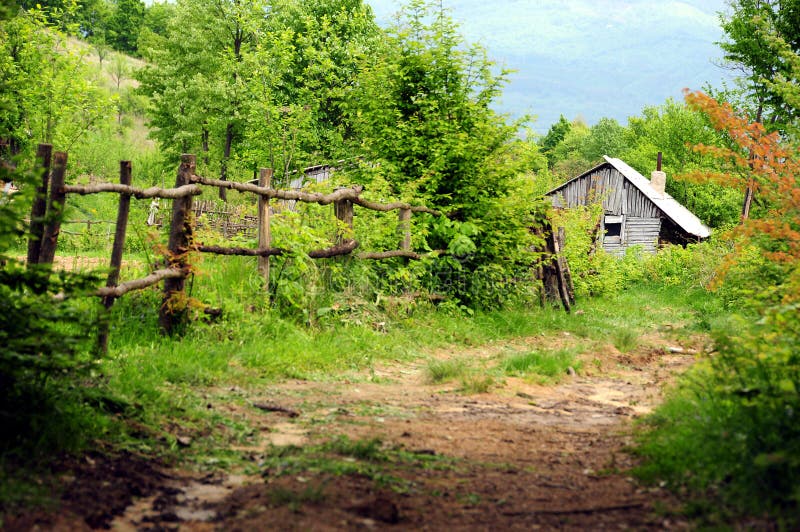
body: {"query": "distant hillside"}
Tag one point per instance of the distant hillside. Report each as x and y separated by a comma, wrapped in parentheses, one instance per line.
(591, 58)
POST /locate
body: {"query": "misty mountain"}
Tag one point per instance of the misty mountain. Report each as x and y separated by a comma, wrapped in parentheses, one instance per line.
(591, 58)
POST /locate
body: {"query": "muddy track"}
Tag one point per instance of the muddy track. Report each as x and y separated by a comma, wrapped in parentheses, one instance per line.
(522, 456)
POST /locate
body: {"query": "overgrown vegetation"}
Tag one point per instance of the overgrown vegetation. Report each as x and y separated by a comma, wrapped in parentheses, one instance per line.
(729, 433)
(406, 111)
(47, 349)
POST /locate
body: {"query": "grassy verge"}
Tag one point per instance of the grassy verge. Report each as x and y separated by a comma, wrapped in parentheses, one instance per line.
(147, 396)
(728, 436)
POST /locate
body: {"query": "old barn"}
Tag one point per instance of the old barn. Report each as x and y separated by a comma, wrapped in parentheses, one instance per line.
(636, 210)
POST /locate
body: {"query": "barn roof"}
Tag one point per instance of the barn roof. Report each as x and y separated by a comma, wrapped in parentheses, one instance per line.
(673, 210)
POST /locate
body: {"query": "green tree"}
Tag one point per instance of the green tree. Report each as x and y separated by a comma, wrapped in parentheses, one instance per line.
(423, 113)
(755, 57)
(606, 137)
(567, 155)
(554, 136)
(45, 342)
(124, 24)
(305, 65)
(248, 90)
(47, 94)
(672, 129)
(197, 78)
(157, 16)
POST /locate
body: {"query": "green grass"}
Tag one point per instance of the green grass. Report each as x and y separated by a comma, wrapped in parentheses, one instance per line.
(546, 366)
(253, 345)
(477, 383)
(439, 371)
(160, 386)
(728, 437)
(625, 340)
(344, 456)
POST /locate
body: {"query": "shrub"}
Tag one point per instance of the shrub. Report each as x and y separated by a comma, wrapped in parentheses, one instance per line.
(730, 433)
(46, 340)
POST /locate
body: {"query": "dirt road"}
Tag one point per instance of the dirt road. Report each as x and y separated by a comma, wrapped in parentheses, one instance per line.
(391, 450)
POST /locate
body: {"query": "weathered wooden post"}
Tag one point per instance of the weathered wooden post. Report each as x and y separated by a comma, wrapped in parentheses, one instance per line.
(180, 238)
(264, 233)
(344, 213)
(404, 228)
(116, 252)
(554, 271)
(44, 154)
(55, 208)
(561, 238)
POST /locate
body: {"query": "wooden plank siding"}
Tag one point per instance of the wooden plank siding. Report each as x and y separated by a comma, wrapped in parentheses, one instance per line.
(636, 231)
(619, 196)
(622, 201)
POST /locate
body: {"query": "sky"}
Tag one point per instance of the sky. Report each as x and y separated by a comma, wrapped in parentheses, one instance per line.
(591, 58)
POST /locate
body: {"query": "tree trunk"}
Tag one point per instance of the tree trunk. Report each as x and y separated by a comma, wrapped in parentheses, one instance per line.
(223, 171)
(204, 139)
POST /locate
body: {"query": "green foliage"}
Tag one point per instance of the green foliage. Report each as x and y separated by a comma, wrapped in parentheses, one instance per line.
(625, 340)
(47, 94)
(124, 25)
(422, 111)
(47, 343)
(694, 266)
(753, 282)
(566, 156)
(730, 433)
(748, 47)
(553, 138)
(673, 129)
(249, 91)
(606, 137)
(321, 46)
(547, 366)
(445, 370)
(594, 273)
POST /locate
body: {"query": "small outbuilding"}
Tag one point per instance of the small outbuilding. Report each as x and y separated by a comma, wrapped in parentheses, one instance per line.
(636, 211)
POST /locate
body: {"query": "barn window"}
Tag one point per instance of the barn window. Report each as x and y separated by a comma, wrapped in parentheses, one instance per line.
(613, 227)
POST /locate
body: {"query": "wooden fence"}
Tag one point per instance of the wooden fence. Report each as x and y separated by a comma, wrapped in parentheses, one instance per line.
(48, 206)
(52, 192)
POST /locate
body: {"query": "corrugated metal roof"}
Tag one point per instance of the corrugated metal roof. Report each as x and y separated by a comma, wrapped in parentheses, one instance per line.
(676, 212)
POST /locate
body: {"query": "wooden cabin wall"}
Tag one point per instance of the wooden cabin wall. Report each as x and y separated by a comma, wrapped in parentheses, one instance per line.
(618, 194)
(642, 219)
(643, 232)
(637, 204)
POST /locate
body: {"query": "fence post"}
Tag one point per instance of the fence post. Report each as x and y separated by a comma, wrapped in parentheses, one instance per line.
(561, 238)
(264, 233)
(180, 237)
(404, 227)
(344, 213)
(44, 154)
(55, 208)
(116, 252)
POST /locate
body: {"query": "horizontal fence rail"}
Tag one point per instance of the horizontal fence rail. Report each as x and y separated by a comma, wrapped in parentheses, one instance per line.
(52, 193)
(138, 193)
(350, 193)
(138, 284)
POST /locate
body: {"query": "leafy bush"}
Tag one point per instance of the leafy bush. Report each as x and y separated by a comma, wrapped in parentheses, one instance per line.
(730, 433)
(46, 341)
(594, 272)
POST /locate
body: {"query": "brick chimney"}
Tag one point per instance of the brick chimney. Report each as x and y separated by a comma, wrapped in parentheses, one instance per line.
(658, 179)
